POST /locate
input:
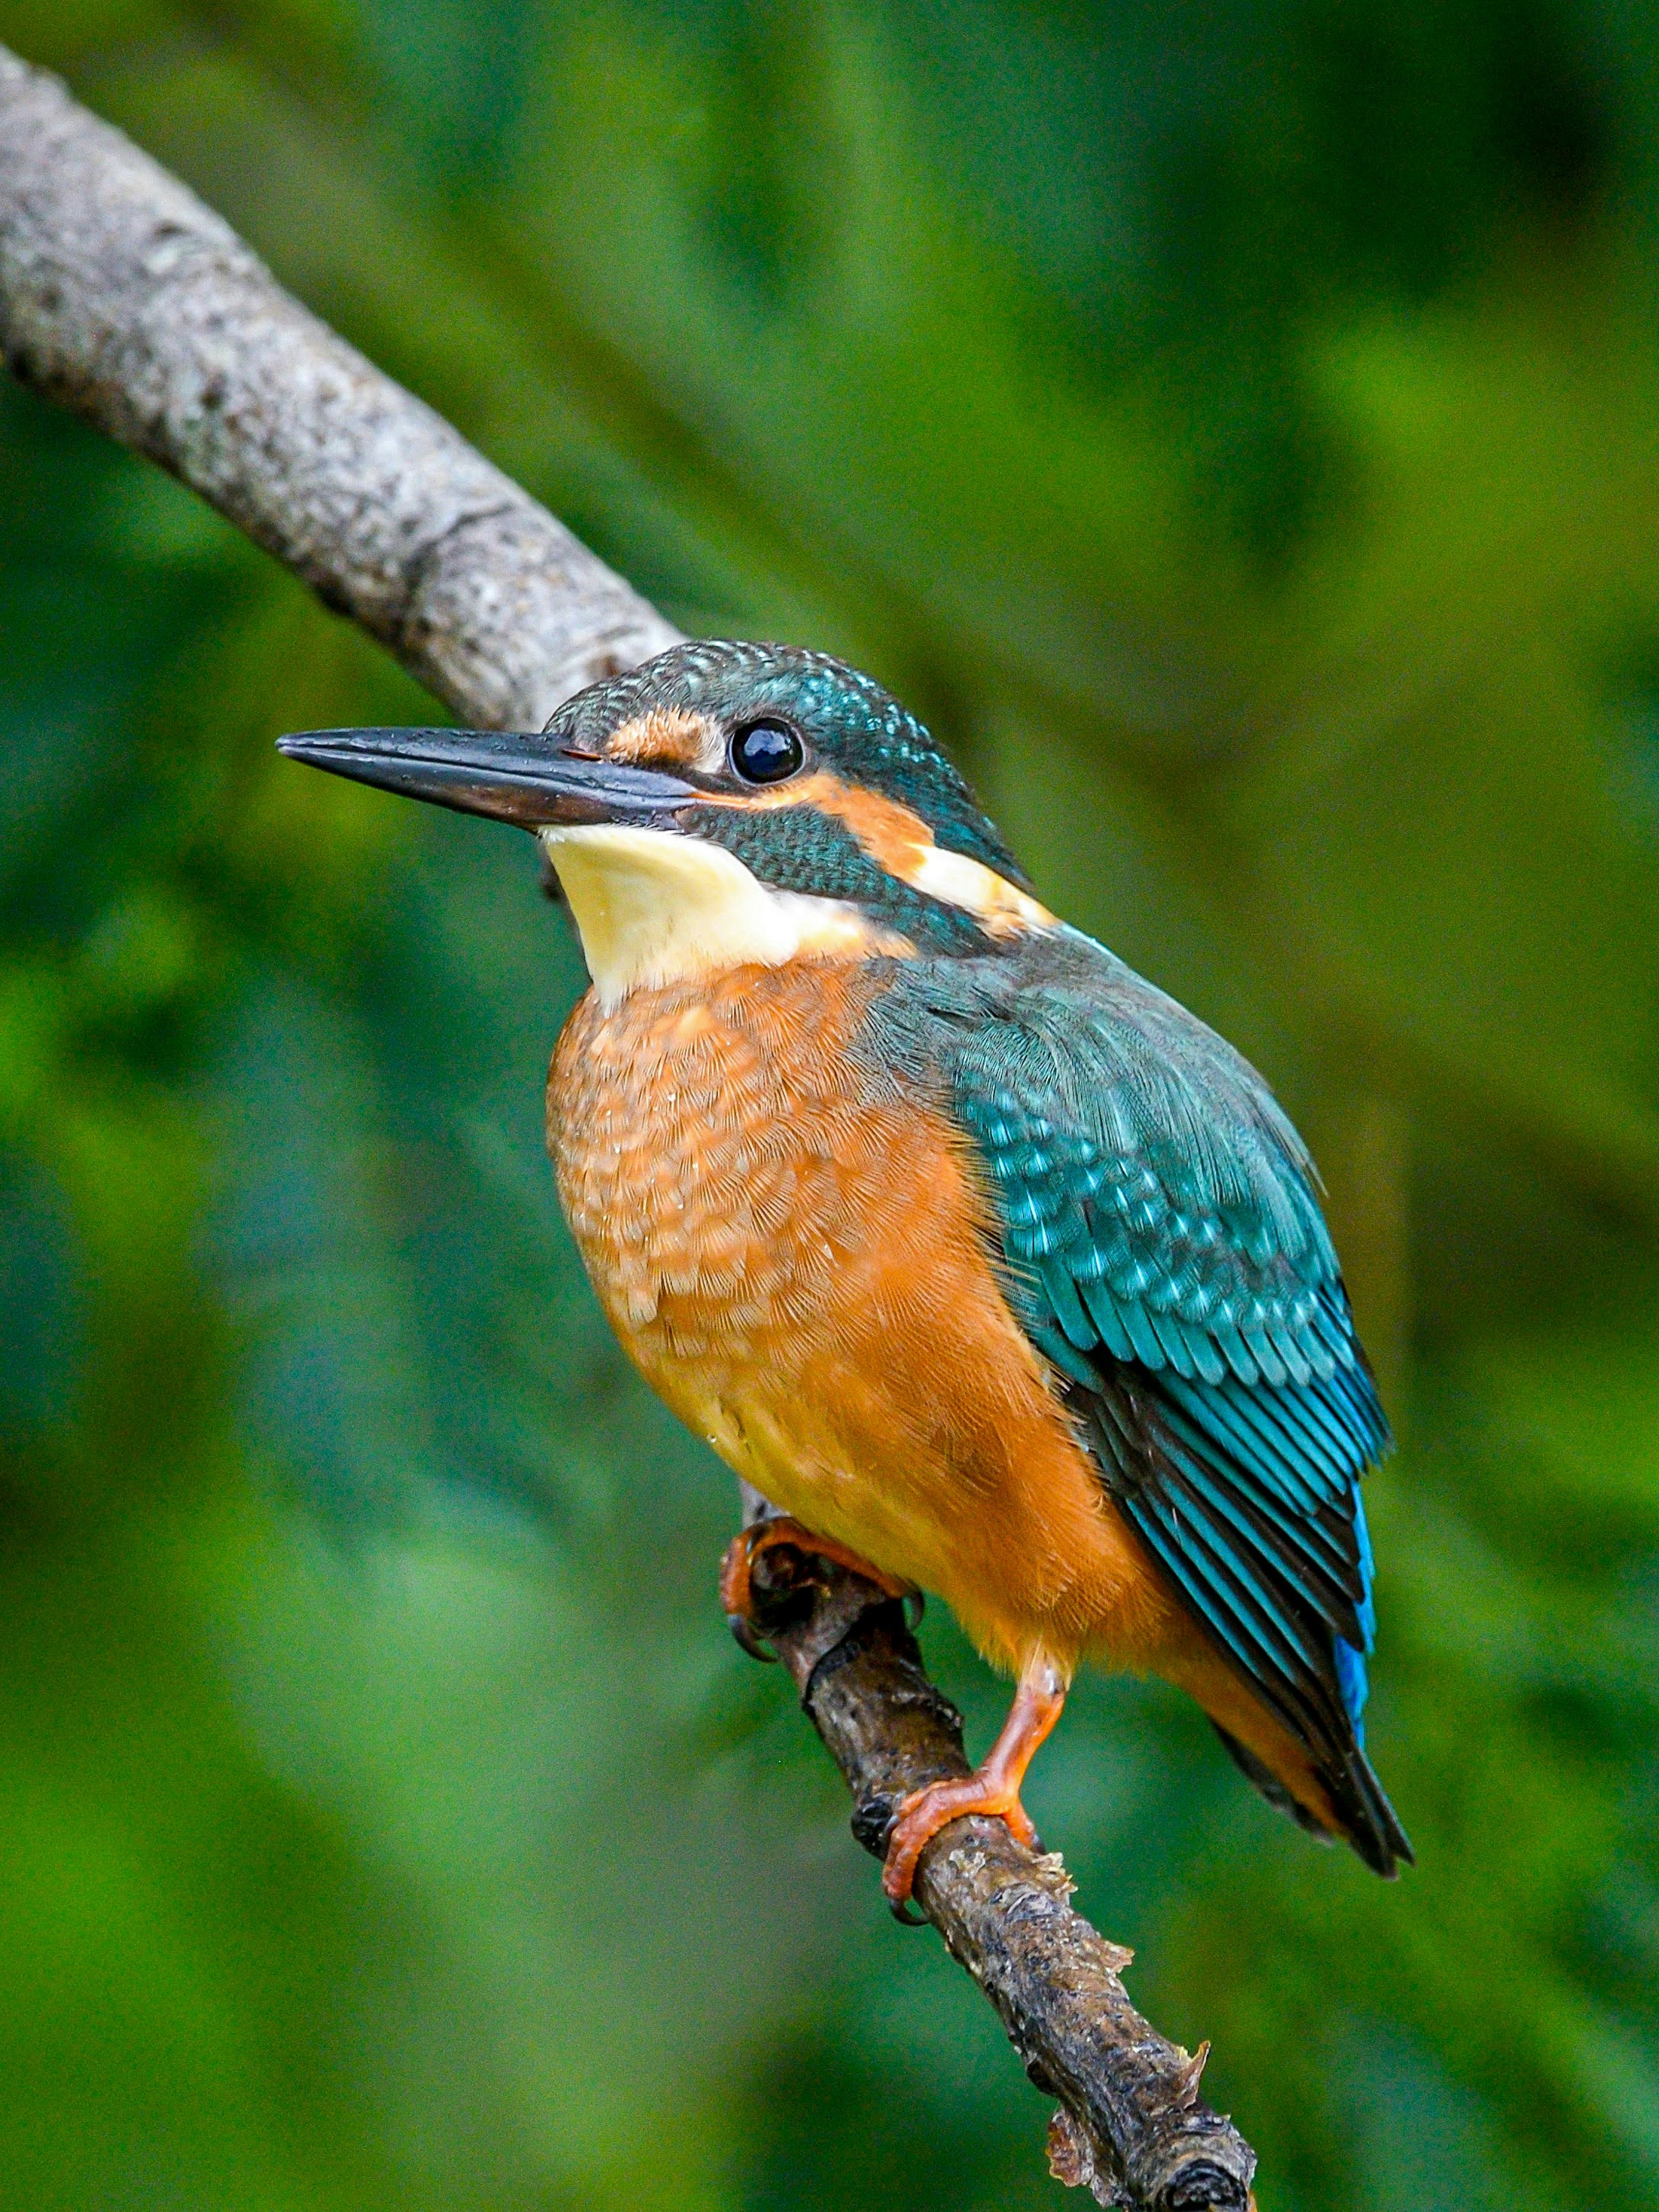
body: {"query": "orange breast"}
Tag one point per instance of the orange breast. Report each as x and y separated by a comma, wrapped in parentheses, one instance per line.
(794, 1254)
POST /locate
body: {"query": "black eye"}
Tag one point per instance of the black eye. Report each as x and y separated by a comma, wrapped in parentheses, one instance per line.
(766, 752)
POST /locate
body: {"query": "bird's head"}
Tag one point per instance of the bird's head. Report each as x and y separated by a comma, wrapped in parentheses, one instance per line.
(723, 805)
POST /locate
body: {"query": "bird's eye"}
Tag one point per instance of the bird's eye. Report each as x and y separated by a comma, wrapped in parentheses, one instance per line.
(766, 752)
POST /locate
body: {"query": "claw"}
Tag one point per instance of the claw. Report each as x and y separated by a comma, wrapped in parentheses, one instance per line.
(993, 1789)
(743, 1629)
(737, 1573)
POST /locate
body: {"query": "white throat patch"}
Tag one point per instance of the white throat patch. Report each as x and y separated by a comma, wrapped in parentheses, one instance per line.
(653, 908)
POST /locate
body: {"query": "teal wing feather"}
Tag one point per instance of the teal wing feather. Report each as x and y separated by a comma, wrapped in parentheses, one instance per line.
(1163, 1244)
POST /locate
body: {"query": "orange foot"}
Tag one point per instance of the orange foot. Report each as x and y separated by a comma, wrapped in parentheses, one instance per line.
(736, 1569)
(995, 1788)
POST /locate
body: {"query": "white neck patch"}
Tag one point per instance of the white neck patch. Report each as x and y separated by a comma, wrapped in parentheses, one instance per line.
(652, 907)
(1001, 909)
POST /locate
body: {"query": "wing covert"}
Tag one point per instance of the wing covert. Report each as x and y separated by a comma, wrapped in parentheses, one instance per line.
(1162, 1245)
(1154, 1232)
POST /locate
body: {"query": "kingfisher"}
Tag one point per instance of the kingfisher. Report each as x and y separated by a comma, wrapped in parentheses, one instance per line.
(997, 1273)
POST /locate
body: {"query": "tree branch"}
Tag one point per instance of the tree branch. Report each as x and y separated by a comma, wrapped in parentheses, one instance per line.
(125, 299)
(1129, 2126)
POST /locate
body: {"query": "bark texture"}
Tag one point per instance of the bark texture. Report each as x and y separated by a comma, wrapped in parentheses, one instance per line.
(1129, 2126)
(125, 299)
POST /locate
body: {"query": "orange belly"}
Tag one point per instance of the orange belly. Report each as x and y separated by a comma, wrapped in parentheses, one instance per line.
(795, 1256)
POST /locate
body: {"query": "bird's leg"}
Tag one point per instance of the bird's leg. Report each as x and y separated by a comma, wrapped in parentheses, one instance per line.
(736, 1568)
(995, 1788)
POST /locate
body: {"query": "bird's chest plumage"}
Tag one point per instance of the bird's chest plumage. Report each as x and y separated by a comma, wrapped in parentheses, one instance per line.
(726, 1166)
(793, 1248)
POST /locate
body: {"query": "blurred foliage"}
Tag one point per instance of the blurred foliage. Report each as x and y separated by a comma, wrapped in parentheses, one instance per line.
(1238, 430)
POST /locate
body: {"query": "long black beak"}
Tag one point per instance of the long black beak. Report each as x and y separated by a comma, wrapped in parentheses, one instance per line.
(529, 780)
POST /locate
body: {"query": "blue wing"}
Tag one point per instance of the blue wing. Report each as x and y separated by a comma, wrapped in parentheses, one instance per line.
(1164, 1246)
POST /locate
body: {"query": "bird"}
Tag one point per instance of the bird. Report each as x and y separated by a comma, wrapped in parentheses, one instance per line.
(995, 1271)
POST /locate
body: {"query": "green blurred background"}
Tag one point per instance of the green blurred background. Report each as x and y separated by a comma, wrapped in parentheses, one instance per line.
(1236, 429)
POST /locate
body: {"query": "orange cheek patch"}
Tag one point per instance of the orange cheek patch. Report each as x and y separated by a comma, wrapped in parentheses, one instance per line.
(889, 832)
(901, 843)
(667, 737)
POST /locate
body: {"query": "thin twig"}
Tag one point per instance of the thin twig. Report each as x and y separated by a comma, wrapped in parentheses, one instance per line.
(125, 299)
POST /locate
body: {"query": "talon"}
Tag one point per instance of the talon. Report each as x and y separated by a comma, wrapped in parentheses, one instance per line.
(1022, 1825)
(994, 1789)
(743, 1630)
(925, 1811)
(738, 1566)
